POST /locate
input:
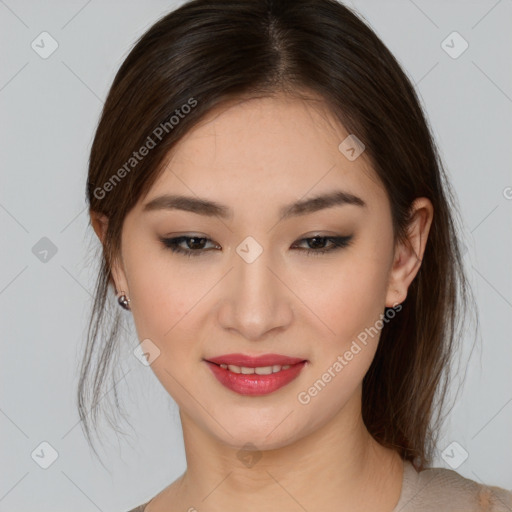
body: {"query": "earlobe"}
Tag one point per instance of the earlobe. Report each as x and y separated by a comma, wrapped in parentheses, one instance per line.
(409, 254)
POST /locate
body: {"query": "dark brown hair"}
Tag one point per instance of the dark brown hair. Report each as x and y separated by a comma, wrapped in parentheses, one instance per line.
(208, 52)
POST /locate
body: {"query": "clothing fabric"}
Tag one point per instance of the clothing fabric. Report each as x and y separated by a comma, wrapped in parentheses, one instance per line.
(442, 490)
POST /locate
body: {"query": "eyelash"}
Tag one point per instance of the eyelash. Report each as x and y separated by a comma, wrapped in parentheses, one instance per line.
(339, 242)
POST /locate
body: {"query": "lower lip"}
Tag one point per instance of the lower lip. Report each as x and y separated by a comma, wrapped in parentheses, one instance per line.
(254, 384)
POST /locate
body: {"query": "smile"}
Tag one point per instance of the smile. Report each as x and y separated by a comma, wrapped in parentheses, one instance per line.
(260, 370)
(255, 380)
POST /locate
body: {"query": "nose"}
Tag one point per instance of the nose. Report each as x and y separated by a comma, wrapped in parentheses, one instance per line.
(256, 301)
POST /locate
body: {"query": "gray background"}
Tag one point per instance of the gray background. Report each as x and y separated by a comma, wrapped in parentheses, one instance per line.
(49, 110)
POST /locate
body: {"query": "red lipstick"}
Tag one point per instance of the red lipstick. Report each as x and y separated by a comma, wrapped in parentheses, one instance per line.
(231, 375)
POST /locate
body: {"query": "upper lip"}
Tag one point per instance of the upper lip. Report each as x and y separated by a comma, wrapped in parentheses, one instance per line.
(255, 361)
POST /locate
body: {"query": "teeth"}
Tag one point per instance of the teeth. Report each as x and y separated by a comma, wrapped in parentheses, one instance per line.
(260, 370)
(266, 370)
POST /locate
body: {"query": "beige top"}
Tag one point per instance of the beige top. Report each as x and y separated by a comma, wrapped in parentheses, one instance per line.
(442, 490)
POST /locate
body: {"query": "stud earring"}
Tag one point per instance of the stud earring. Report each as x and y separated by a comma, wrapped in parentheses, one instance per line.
(123, 300)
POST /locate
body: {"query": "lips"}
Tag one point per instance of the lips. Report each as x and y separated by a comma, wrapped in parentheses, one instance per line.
(274, 372)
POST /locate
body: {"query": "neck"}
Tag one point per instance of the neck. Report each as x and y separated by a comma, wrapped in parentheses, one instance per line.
(337, 467)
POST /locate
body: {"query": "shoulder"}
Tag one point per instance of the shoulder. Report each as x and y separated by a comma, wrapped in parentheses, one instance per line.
(443, 489)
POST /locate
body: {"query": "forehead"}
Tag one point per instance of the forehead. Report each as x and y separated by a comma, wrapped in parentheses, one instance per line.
(265, 150)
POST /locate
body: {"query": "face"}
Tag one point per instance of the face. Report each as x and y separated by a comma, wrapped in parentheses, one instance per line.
(311, 284)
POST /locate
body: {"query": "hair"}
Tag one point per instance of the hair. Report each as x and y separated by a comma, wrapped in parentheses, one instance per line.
(207, 53)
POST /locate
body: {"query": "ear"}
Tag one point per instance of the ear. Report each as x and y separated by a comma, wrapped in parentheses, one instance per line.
(409, 254)
(99, 223)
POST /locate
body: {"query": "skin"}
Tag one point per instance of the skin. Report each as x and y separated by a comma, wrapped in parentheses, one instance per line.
(254, 157)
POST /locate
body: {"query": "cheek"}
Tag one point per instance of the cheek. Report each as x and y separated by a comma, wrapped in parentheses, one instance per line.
(162, 293)
(352, 295)
(352, 308)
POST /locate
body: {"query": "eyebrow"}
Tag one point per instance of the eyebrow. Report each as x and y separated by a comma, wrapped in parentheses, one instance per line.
(210, 208)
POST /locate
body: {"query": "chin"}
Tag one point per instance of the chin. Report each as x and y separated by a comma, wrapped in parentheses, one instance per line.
(256, 431)
(258, 442)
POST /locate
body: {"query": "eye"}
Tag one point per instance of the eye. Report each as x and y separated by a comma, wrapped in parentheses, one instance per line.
(195, 244)
(337, 243)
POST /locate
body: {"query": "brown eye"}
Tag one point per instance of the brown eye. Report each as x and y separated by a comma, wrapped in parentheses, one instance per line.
(318, 244)
(194, 244)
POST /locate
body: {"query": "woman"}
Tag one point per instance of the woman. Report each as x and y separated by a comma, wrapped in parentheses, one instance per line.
(274, 215)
